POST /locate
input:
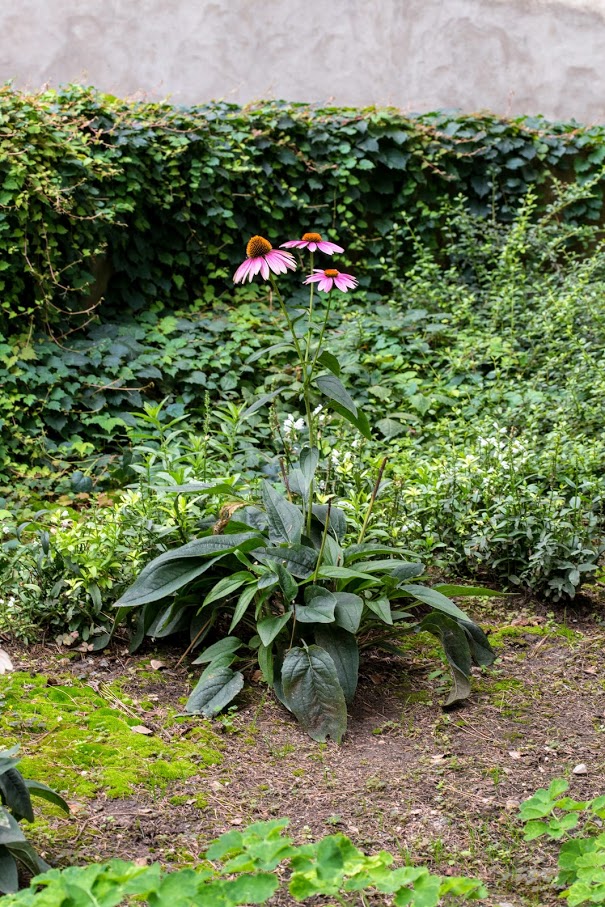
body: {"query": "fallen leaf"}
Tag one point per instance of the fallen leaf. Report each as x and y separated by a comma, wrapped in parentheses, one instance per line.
(515, 754)
(157, 665)
(237, 821)
(5, 662)
(591, 671)
(580, 769)
(140, 729)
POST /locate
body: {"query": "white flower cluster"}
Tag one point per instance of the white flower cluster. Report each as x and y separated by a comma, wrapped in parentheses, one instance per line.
(292, 426)
(8, 603)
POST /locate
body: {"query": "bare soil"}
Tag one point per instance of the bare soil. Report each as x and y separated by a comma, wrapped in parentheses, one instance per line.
(433, 787)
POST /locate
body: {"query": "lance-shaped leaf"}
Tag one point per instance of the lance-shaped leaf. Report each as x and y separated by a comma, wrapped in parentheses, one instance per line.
(285, 519)
(330, 362)
(214, 692)
(37, 789)
(333, 388)
(435, 599)
(313, 692)
(228, 644)
(457, 651)
(338, 520)
(227, 586)
(242, 605)
(342, 648)
(299, 560)
(9, 873)
(15, 795)
(360, 421)
(259, 402)
(174, 569)
(481, 651)
(266, 350)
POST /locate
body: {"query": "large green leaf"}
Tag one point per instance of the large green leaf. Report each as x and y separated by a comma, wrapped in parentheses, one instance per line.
(46, 793)
(452, 589)
(348, 611)
(360, 421)
(330, 362)
(260, 402)
(15, 795)
(435, 600)
(214, 692)
(482, 653)
(342, 648)
(266, 350)
(227, 586)
(313, 692)
(366, 550)
(169, 620)
(299, 560)
(457, 651)
(337, 519)
(174, 569)
(9, 875)
(333, 388)
(9, 828)
(285, 519)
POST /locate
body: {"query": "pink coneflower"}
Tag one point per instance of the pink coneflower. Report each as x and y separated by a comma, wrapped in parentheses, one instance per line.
(332, 278)
(312, 241)
(263, 258)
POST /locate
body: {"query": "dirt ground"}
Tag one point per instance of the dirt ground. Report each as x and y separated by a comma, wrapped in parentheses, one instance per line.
(433, 787)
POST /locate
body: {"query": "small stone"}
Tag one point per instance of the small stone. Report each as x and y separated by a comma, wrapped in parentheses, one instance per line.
(580, 769)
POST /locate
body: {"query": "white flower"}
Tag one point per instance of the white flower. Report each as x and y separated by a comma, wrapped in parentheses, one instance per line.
(317, 410)
(335, 457)
(292, 426)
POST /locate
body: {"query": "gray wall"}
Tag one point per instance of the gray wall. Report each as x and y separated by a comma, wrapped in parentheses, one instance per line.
(510, 56)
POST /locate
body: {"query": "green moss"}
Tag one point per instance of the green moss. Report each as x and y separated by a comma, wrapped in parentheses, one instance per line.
(78, 744)
(498, 636)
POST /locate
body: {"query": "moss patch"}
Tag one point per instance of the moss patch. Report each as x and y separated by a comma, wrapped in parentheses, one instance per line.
(75, 740)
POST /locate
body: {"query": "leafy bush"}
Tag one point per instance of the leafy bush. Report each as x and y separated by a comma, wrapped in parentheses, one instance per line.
(247, 868)
(16, 805)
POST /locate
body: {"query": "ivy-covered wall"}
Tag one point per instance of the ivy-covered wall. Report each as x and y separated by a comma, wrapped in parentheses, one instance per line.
(106, 203)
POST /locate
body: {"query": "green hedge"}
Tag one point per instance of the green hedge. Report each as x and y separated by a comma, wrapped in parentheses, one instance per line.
(117, 203)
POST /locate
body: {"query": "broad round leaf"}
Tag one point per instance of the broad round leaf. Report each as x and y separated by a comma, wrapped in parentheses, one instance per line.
(313, 693)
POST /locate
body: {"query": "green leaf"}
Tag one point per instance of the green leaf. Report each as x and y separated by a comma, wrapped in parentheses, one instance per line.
(435, 600)
(266, 350)
(481, 651)
(452, 589)
(9, 875)
(329, 572)
(342, 648)
(360, 420)
(266, 664)
(330, 361)
(333, 388)
(299, 560)
(9, 828)
(15, 795)
(270, 627)
(313, 693)
(320, 605)
(176, 568)
(227, 586)
(261, 401)
(309, 458)
(242, 605)
(457, 651)
(367, 550)
(254, 888)
(348, 611)
(287, 583)
(285, 519)
(228, 644)
(215, 692)
(381, 607)
(338, 520)
(38, 789)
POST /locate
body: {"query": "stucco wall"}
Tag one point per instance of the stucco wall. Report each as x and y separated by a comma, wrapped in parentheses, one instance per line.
(510, 56)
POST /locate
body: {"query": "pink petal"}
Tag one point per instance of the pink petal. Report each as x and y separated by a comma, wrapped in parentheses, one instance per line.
(315, 277)
(293, 244)
(264, 269)
(325, 285)
(345, 282)
(312, 246)
(240, 274)
(329, 247)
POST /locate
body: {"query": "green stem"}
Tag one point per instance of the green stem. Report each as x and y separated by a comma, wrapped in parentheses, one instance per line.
(323, 542)
(372, 499)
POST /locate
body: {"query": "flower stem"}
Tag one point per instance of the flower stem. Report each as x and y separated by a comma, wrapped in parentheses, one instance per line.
(372, 499)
